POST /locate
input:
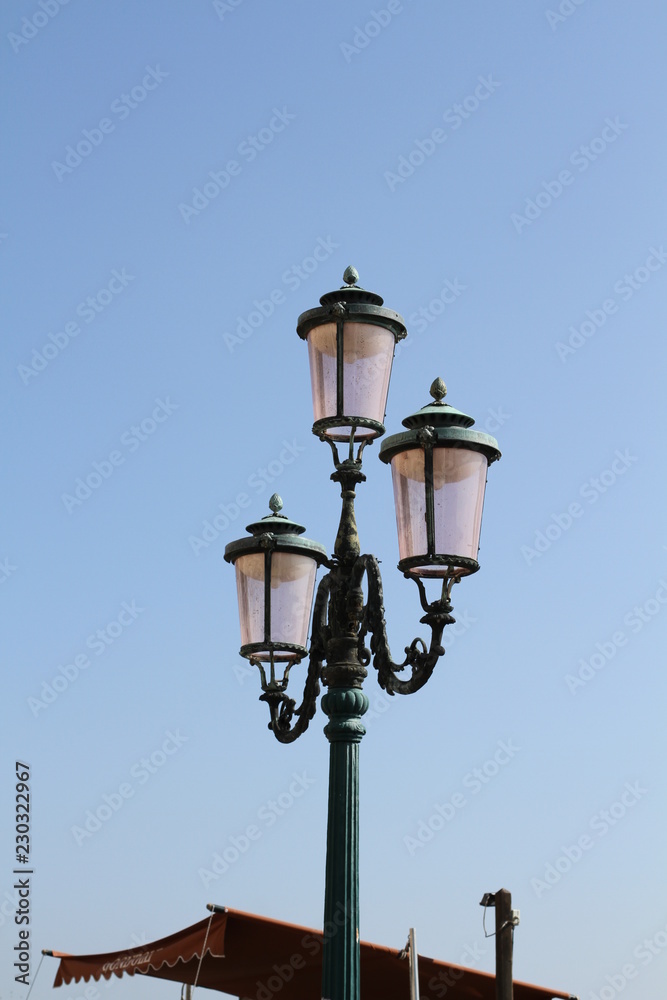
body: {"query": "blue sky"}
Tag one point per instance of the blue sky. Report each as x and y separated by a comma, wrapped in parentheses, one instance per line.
(181, 181)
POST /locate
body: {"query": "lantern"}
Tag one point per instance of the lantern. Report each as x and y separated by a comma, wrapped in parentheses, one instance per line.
(275, 580)
(351, 340)
(439, 474)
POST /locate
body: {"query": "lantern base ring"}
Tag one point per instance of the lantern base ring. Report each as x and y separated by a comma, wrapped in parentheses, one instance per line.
(293, 652)
(438, 566)
(346, 427)
(285, 652)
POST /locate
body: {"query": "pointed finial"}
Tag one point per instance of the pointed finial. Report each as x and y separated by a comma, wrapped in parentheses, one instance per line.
(351, 276)
(276, 503)
(438, 390)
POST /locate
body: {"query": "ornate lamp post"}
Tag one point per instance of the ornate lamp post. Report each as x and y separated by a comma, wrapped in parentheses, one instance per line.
(439, 473)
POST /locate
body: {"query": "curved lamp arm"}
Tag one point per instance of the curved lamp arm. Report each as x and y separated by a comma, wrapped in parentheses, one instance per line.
(282, 707)
(421, 660)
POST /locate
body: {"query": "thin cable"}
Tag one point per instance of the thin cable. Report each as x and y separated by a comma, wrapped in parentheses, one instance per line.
(508, 923)
(203, 952)
(35, 976)
(484, 924)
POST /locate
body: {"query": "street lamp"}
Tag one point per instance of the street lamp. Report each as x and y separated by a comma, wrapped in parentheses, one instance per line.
(439, 474)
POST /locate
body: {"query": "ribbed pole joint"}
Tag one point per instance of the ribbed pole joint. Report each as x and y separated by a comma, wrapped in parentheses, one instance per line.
(345, 706)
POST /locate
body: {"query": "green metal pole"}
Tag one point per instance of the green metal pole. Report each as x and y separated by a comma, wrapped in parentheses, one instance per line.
(341, 953)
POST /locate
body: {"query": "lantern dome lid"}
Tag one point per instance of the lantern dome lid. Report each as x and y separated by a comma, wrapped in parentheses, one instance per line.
(275, 531)
(438, 413)
(277, 523)
(354, 303)
(351, 292)
(441, 425)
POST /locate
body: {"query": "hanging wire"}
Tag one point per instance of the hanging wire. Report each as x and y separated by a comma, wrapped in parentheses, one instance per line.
(508, 923)
(484, 924)
(35, 977)
(201, 957)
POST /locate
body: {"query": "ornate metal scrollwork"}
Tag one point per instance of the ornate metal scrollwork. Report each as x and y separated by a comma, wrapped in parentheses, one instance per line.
(282, 707)
(418, 657)
(341, 617)
(342, 621)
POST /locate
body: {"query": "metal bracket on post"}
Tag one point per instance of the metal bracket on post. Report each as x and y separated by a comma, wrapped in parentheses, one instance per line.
(506, 920)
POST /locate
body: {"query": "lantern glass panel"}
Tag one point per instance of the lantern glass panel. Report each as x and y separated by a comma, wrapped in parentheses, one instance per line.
(368, 353)
(250, 590)
(459, 480)
(292, 587)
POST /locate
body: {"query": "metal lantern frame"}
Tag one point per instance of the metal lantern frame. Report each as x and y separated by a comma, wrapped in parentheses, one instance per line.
(349, 304)
(274, 534)
(437, 425)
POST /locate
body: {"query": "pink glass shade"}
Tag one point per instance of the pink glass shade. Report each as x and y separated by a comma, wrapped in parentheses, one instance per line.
(292, 588)
(368, 353)
(459, 481)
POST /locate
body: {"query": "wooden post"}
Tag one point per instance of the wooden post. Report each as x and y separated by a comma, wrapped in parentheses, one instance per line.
(504, 943)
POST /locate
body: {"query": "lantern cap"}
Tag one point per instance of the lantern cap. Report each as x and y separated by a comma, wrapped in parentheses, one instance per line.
(438, 413)
(439, 424)
(351, 292)
(354, 303)
(275, 531)
(275, 522)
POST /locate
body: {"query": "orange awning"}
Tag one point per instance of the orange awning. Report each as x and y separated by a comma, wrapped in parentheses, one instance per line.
(249, 956)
